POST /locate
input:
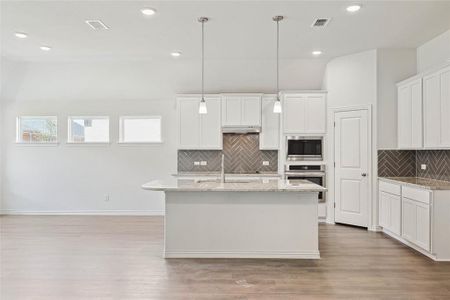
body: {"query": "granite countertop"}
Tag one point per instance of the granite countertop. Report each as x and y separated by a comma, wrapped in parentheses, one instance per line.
(262, 185)
(425, 183)
(230, 175)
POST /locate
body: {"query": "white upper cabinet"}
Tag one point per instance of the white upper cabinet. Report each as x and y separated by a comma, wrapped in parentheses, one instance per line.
(436, 109)
(410, 114)
(241, 110)
(269, 138)
(304, 113)
(199, 131)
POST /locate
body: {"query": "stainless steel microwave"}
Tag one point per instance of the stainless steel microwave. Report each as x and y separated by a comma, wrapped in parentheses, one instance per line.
(304, 148)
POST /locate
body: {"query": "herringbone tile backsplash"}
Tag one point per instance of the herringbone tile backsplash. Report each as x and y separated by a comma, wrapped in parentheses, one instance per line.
(406, 163)
(242, 156)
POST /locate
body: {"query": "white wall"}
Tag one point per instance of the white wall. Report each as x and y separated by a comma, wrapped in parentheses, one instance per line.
(434, 52)
(76, 179)
(352, 81)
(393, 65)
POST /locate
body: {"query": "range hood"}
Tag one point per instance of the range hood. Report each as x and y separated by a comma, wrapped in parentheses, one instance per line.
(241, 129)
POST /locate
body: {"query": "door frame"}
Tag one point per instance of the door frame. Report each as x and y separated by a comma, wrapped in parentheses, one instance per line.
(372, 167)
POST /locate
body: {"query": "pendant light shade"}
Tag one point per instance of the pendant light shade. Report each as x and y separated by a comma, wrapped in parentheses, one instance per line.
(202, 109)
(277, 105)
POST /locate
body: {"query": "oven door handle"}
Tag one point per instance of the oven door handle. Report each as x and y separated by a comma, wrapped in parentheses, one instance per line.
(305, 174)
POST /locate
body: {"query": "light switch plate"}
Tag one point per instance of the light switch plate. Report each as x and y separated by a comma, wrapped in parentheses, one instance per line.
(423, 166)
(266, 163)
(203, 163)
(196, 163)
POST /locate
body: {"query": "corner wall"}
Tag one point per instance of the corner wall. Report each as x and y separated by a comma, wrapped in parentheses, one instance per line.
(434, 52)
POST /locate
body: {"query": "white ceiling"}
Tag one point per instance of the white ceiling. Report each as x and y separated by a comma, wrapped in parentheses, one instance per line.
(237, 30)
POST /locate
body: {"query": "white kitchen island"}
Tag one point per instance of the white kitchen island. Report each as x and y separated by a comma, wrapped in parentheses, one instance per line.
(253, 219)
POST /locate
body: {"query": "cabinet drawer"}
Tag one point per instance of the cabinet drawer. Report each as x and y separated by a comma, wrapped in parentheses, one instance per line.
(389, 187)
(416, 194)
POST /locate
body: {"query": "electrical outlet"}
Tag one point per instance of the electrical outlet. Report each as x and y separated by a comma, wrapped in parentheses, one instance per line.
(266, 163)
(107, 198)
(196, 163)
(423, 166)
(203, 163)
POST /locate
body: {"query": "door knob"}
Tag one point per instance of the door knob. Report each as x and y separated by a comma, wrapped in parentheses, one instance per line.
(364, 174)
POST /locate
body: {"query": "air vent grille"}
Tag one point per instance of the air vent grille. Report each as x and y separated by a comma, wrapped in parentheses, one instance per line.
(320, 22)
(97, 24)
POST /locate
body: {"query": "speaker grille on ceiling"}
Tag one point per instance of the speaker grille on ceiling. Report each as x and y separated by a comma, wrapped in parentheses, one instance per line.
(96, 24)
(320, 22)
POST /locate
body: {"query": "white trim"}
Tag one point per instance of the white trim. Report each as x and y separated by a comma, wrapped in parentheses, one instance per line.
(411, 245)
(69, 129)
(243, 254)
(18, 129)
(121, 129)
(83, 212)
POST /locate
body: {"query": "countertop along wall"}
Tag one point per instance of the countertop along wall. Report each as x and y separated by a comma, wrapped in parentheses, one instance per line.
(76, 179)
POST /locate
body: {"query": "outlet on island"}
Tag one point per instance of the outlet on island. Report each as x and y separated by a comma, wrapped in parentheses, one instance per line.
(203, 163)
(266, 163)
(423, 166)
(196, 163)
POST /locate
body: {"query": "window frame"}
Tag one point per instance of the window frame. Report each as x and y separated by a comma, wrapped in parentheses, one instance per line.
(69, 129)
(150, 117)
(20, 141)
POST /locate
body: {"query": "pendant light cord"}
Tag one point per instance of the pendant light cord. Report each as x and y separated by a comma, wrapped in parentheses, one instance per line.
(203, 60)
(278, 67)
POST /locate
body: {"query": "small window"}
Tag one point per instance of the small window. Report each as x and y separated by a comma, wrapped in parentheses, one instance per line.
(36, 130)
(88, 130)
(140, 129)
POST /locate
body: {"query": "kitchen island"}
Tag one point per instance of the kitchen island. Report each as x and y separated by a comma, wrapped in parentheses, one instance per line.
(240, 219)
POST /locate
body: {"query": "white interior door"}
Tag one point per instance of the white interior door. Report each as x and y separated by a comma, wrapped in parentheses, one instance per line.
(351, 146)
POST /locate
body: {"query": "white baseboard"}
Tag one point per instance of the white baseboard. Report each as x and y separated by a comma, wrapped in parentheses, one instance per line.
(238, 254)
(411, 245)
(375, 228)
(83, 212)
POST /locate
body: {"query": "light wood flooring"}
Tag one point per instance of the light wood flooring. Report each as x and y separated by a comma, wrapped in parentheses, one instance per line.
(90, 257)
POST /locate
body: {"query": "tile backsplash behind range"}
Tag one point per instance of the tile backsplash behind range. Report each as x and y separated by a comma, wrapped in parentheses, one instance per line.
(407, 163)
(242, 155)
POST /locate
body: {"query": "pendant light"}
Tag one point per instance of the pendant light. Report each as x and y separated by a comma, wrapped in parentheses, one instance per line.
(277, 105)
(202, 106)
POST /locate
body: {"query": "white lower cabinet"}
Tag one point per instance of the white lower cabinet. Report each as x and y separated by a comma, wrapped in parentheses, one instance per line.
(416, 223)
(417, 217)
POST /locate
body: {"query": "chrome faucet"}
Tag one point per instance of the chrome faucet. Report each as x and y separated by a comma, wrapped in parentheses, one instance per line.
(222, 171)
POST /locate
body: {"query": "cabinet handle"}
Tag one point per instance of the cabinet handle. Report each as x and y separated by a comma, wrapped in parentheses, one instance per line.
(364, 174)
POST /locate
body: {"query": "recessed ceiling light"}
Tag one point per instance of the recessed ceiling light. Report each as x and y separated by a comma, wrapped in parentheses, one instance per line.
(176, 54)
(148, 11)
(45, 48)
(353, 8)
(316, 52)
(21, 35)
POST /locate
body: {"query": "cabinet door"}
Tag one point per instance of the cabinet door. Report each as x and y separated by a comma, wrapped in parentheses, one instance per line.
(408, 220)
(445, 107)
(231, 111)
(294, 114)
(404, 117)
(396, 214)
(211, 134)
(251, 111)
(385, 210)
(432, 111)
(189, 123)
(416, 114)
(269, 137)
(423, 225)
(316, 114)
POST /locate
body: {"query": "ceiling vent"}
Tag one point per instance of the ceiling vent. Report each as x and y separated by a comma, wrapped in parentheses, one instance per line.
(96, 24)
(320, 22)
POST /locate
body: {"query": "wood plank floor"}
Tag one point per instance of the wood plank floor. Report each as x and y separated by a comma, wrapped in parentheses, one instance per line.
(72, 257)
